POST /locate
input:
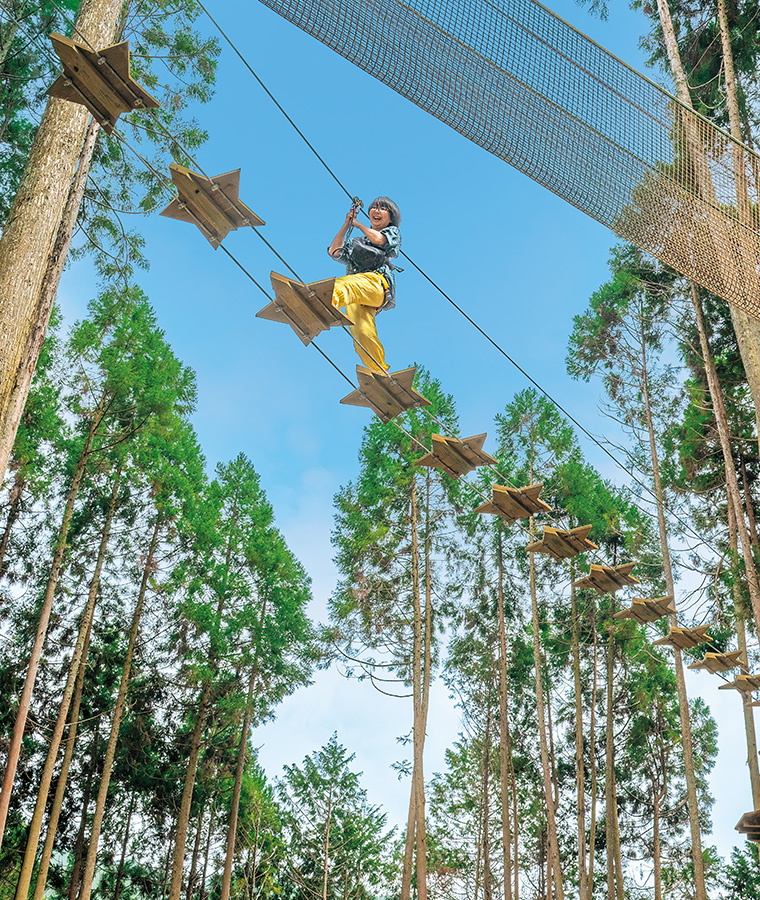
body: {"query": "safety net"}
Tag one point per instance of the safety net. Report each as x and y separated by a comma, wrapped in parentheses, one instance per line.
(523, 84)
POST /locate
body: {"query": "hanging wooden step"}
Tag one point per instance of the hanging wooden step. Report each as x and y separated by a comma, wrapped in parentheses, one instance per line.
(514, 503)
(456, 457)
(745, 684)
(386, 395)
(644, 610)
(608, 579)
(749, 825)
(720, 662)
(685, 638)
(210, 203)
(561, 544)
(99, 80)
(307, 308)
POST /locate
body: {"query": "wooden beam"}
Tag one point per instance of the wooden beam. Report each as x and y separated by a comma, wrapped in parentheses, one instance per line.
(99, 80)
(720, 662)
(685, 638)
(608, 579)
(514, 503)
(456, 457)
(745, 684)
(307, 308)
(561, 544)
(644, 610)
(386, 395)
(212, 204)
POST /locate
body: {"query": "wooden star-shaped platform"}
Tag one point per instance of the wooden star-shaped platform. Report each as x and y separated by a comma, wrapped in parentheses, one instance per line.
(386, 395)
(514, 503)
(720, 662)
(608, 579)
(212, 204)
(561, 544)
(307, 308)
(456, 457)
(745, 684)
(749, 825)
(685, 638)
(644, 610)
(99, 80)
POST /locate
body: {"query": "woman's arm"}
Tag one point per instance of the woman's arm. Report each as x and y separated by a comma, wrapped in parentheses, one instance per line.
(377, 237)
(336, 246)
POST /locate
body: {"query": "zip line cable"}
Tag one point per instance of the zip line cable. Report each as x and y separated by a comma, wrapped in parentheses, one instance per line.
(432, 282)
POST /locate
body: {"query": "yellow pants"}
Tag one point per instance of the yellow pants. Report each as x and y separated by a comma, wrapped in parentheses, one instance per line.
(362, 295)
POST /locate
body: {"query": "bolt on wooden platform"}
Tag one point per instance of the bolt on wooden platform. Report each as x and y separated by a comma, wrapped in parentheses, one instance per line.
(749, 825)
(745, 684)
(608, 579)
(720, 662)
(307, 308)
(386, 395)
(99, 80)
(685, 638)
(456, 457)
(212, 204)
(644, 610)
(514, 503)
(561, 544)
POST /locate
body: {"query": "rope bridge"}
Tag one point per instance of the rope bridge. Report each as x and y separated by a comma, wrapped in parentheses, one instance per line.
(529, 88)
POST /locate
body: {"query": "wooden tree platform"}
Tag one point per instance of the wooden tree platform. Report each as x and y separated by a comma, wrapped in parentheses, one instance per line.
(456, 457)
(749, 825)
(685, 638)
(514, 503)
(561, 544)
(386, 395)
(720, 662)
(210, 203)
(99, 80)
(307, 308)
(745, 684)
(644, 610)
(608, 579)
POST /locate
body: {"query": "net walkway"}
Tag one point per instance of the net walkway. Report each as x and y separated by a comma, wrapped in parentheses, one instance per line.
(529, 88)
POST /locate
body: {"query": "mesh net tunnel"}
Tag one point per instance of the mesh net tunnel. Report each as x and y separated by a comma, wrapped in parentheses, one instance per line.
(527, 87)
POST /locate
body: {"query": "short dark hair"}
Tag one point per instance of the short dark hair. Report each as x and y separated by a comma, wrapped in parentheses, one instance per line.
(387, 203)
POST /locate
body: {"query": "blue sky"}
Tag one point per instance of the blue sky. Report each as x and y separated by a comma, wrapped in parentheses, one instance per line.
(521, 261)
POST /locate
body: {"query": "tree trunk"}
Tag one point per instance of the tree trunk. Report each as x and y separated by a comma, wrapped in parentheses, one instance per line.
(242, 748)
(9, 421)
(55, 812)
(579, 766)
(553, 846)
(326, 854)
(614, 871)
(124, 845)
(35, 826)
(196, 854)
(29, 235)
(504, 736)
(486, 800)
(79, 845)
(419, 719)
(592, 762)
(14, 509)
(683, 700)
(47, 605)
(656, 851)
(105, 778)
(748, 504)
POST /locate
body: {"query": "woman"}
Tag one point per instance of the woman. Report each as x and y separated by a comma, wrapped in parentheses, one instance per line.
(370, 285)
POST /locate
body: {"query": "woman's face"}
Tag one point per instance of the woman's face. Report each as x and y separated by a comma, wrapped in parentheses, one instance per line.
(380, 217)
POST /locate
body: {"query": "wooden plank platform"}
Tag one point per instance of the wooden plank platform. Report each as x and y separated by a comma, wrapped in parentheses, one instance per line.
(514, 503)
(456, 457)
(745, 684)
(386, 395)
(749, 825)
(561, 544)
(99, 80)
(644, 610)
(608, 579)
(212, 204)
(720, 662)
(685, 638)
(307, 308)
